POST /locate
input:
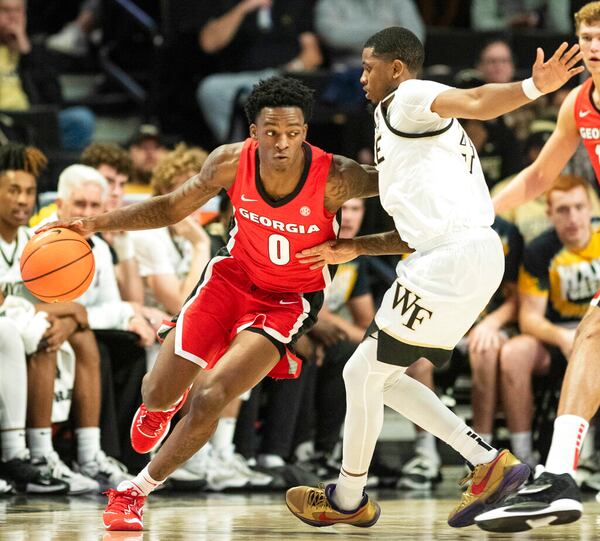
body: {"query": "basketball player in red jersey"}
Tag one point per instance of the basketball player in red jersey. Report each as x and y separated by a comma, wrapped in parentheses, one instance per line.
(553, 497)
(255, 297)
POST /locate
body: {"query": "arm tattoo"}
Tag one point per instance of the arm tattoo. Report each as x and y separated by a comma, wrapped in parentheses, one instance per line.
(150, 214)
(348, 180)
(173, 207)
(382, 244)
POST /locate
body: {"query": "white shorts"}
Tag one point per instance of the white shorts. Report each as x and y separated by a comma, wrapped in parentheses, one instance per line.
(438, 295)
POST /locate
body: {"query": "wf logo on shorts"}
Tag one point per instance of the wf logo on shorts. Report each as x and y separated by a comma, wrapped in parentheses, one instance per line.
(409, 302)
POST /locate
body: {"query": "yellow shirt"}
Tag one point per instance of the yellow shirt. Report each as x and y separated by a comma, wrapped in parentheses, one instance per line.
(43, 213)
(568, 279)
(12, 95)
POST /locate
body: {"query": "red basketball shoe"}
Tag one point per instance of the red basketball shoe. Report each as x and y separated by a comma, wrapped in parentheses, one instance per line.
(149, 428)
(124, 510)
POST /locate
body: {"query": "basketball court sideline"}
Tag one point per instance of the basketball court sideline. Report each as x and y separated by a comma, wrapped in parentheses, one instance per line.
(240, 517)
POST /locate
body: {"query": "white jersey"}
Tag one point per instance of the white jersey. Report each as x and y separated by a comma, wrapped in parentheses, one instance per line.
(430, 178)
(11, 282)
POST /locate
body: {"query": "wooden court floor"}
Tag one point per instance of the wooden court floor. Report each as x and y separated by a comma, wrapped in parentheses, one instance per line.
(237, 517)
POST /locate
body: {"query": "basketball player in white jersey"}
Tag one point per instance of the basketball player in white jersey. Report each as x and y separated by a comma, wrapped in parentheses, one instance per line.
(431, 183)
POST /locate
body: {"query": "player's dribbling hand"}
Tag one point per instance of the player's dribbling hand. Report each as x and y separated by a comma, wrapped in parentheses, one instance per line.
(79, 225)
(561, 66)
(331, 252)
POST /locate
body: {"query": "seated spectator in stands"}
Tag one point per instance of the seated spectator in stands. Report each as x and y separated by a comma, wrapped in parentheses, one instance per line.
(495, 140)
(114, 164)
(83, 191)
(256, 39)
(73, 38)
(29, 78)
(484, 341)
(557, 282)
(19, 168)
(553, 15)
(172, 259)
(496, 63)
(531, 218)
(343, 26)
(146, 148)
(348, 310)
(16, 470)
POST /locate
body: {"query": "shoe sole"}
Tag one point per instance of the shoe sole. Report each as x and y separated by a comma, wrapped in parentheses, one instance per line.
(158, 442)
(319, 524)
(33, 489)
(511, 481)
(122, 526)
(504, 521)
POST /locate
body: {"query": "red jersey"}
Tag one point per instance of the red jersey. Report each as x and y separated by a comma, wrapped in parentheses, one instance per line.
(267, 234)
(587, 120)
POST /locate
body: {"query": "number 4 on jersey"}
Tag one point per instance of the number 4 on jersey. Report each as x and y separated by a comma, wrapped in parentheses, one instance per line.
(467, 150)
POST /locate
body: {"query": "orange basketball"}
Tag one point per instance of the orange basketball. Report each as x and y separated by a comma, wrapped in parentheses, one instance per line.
(57, 265)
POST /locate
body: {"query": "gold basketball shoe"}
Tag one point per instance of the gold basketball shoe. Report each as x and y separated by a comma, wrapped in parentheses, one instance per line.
(489, 484)
(314, 506)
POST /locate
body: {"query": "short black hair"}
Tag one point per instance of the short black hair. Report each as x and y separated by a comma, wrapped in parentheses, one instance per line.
(279, 92)
(398, 43)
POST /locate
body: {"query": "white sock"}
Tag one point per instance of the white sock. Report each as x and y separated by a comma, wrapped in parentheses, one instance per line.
(40, 442)
(142, 482)
(222, 439)
(521, 445)
(88, 443)
(568, 436)
(486, 437)
(425, 446)
(422, 406)
(348, 491)
(471, 446)
(13, 444)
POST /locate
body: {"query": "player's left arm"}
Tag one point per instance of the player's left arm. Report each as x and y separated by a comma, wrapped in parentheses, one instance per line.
(493, 100)
(348, 179)
(334, 252)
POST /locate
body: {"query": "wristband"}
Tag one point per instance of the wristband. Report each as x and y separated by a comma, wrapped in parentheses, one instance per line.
(530, 90)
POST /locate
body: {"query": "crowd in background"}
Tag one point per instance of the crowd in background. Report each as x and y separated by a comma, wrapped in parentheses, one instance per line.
(70, 386)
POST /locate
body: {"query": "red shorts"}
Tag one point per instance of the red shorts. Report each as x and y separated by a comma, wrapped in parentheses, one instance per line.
(226, 302)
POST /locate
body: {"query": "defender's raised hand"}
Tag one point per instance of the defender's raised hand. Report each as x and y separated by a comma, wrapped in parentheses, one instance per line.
(561, 66)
